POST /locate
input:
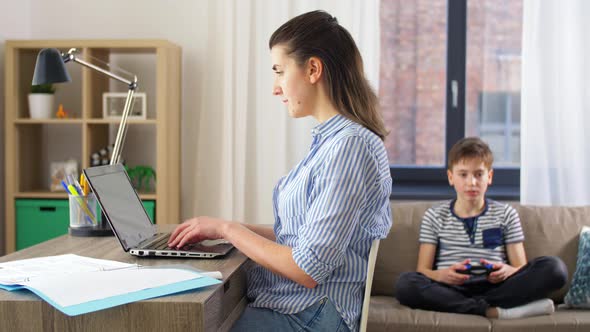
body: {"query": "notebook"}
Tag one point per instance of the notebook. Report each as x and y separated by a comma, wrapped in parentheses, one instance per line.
(130, 222)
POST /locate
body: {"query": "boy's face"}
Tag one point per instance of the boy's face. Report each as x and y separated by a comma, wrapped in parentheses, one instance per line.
(471, 179)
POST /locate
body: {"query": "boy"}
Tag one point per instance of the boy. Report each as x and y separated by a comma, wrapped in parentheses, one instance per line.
(473, 230)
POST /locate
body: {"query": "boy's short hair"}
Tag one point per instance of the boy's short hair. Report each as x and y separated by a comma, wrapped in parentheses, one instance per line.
(470, 147)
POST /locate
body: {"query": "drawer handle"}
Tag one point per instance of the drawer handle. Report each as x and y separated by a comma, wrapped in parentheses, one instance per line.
(47, 208)
(226, 286)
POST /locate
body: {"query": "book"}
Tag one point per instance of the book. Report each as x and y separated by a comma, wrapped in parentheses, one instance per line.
(63, 281)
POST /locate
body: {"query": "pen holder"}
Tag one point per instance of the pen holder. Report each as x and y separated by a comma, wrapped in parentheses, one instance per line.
(85, 218)
(83, 211)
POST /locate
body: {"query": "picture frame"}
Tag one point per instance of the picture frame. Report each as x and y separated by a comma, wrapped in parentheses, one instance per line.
(114, 102)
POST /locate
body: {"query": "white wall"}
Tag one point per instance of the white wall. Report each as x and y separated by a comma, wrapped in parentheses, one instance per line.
(14, 24)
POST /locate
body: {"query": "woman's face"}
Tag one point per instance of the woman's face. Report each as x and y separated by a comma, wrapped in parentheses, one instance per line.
(291, 83)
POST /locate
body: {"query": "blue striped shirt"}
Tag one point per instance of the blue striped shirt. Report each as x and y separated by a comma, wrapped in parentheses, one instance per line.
(329, 209)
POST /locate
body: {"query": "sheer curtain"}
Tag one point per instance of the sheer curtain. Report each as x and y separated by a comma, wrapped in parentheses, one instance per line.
(555, 144)
(243, 139)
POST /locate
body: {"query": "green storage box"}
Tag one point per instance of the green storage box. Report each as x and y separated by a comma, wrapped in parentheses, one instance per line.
(38, 220)
(150, 207)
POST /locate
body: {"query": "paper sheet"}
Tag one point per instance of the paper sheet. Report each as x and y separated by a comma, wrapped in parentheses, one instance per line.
(91, 286)
(210, 274)
(17, 272)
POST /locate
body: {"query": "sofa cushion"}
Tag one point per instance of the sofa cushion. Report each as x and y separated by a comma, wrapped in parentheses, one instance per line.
(398, 253)
(561, 320)
(553, 231)
(386, 314)
(578, 295)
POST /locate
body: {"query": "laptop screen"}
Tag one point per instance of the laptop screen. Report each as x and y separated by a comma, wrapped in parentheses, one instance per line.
(120, 204)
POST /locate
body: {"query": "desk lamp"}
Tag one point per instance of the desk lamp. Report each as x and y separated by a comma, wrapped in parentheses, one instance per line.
(50, 68)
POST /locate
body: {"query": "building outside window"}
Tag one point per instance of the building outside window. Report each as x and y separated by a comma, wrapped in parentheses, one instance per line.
(418, 97)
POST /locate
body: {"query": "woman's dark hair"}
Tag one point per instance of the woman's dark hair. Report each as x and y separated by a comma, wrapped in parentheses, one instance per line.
(318, 34)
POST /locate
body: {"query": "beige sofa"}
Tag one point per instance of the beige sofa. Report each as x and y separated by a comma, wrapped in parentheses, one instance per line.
(548, 230)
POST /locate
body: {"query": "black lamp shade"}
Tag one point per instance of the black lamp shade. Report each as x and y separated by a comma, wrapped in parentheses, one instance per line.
(50, 68)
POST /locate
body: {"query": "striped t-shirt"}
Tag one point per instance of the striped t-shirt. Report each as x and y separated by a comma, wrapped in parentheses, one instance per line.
(497, 226)
(329, 209)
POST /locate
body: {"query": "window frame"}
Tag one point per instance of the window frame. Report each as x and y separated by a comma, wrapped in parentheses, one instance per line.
(430, 182)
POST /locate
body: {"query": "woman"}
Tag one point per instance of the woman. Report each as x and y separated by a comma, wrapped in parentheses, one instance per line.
(312, 265)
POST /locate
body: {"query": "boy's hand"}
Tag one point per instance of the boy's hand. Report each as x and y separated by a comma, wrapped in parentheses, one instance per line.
(450, 276)
(501, 273)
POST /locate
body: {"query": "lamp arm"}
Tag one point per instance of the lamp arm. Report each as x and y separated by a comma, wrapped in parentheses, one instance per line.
(71, 56)
(122, 131)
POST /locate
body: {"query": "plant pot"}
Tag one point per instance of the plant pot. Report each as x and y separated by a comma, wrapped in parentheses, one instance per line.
(41, 105)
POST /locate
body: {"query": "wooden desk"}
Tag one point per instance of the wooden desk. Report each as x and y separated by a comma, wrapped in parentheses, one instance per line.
(213, 308)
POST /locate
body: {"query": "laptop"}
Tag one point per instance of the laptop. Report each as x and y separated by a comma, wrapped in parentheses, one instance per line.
(130, 222)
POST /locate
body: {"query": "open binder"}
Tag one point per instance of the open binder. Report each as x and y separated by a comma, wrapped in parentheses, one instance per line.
(77, 285)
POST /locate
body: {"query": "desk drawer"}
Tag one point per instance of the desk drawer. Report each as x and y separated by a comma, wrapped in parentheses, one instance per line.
(226, 305)
(39, 220)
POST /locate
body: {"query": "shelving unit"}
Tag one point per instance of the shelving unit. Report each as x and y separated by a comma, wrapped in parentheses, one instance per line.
(32, 144)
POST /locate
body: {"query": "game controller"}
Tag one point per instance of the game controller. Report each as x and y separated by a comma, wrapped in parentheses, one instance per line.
(477, 270)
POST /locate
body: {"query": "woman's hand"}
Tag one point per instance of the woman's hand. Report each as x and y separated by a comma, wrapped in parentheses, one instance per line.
(450, 276)
(196, 230)
(501, 273)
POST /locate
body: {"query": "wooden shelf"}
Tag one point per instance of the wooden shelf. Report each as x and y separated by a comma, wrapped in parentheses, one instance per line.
(114, 45)
(25, 121)
(41, 194)
(62, 195)
(48, 121)
(31, 145)
(129, 121)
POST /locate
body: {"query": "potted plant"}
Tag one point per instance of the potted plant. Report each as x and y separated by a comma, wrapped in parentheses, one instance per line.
(41, 101)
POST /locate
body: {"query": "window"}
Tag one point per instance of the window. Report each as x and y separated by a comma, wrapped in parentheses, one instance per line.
(494, 39)
(450, 69)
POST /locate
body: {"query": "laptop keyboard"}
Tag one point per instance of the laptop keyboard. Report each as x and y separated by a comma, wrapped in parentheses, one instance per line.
(161, 243)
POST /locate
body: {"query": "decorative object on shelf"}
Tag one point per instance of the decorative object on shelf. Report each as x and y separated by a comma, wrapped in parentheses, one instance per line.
(141, 177)
(41, 101)
(61, 113)
(58, 172)
(50, 68)
(102, 156)
(113, 104)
